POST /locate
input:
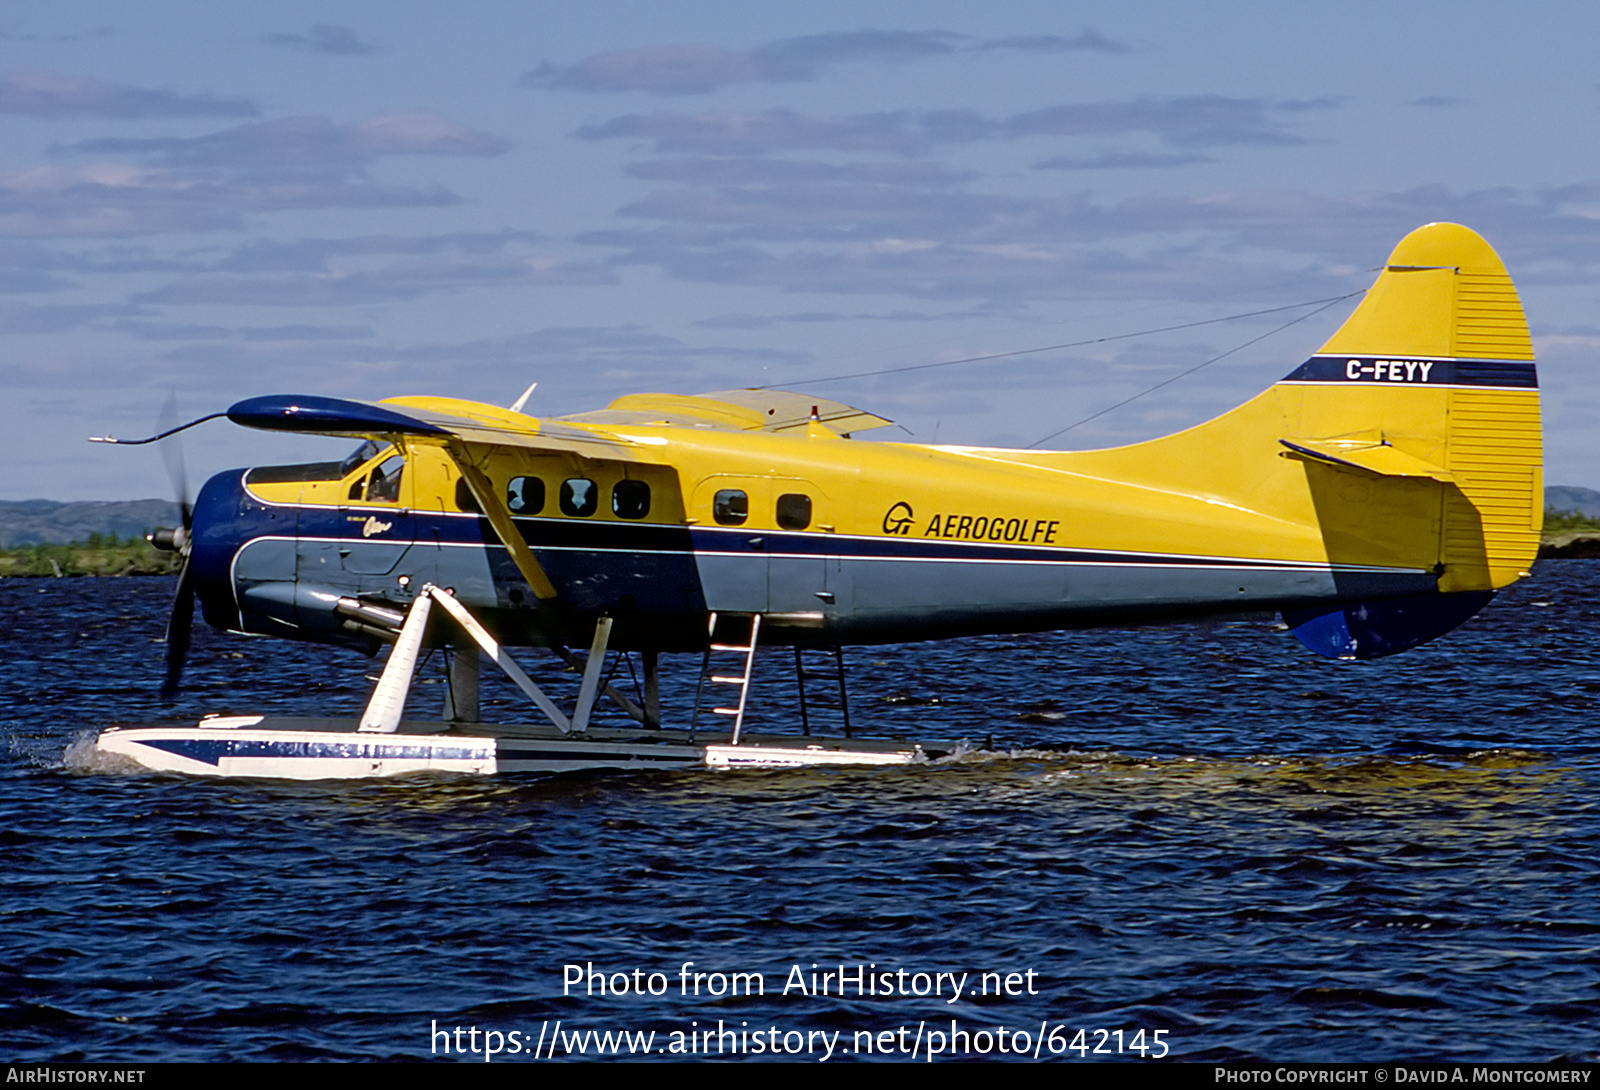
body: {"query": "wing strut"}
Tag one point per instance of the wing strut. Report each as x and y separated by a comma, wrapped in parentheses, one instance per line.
(495, 511)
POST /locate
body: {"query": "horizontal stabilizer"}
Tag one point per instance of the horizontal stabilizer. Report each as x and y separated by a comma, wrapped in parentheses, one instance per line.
(1369, 457)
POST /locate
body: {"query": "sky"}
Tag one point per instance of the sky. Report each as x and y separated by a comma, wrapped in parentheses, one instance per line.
(210, 202)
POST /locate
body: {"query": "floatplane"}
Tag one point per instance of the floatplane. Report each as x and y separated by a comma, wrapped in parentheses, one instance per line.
(1377, 497)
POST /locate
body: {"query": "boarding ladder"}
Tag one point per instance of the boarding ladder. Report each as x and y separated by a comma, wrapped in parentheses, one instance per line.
(728, 670)
(831, 670)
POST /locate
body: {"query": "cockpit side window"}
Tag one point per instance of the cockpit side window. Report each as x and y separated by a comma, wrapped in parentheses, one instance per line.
(383, 486)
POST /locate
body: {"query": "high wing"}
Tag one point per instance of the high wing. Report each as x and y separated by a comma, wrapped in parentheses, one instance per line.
(434, 418)
(468, 432)
(430, 419)
(733, 410)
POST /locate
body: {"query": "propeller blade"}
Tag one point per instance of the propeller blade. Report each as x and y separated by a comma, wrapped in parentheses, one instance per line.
(172, 455)
(179, 626)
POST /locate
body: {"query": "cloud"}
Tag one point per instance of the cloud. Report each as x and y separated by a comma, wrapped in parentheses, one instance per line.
(330, 38)
(1188, 122)
(755, 171)
(1183, 121)
(209, 182)
(883, 216)
(1004, 249)
(663, 69)
(1087, 40)
(117, 199)
(816, 317)
(18, 319)
(83, 36)
(802, 58)
(745, 133)
(1123, 160)
(54, 95)
(398, 281)
(27, 267)
(699, 68)
(306, 141)
(348, 272)
(768, 321)
(146, 330)
(318, 254)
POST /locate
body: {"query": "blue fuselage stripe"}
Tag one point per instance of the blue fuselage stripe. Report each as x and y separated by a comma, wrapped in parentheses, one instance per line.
(614, 537)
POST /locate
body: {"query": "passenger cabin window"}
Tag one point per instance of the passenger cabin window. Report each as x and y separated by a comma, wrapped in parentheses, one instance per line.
(579, 497)
(465, 500)
(730, 507)
(630, 499)
(525, 495)
(794, 511)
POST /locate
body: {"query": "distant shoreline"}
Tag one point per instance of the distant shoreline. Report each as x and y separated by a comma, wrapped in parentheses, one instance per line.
(101, 556)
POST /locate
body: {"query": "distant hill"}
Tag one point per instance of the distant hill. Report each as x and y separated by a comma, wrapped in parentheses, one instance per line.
(1566, 497)
(47, 522)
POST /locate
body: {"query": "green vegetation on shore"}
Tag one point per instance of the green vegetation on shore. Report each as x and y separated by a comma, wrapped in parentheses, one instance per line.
(101, 554)
(1560, 522)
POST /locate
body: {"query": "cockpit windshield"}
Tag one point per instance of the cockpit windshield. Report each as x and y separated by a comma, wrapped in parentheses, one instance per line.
(359, 456)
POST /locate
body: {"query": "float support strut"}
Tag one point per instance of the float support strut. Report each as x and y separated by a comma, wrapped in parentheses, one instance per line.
(461, 695)
(388, 701)
(591, 675)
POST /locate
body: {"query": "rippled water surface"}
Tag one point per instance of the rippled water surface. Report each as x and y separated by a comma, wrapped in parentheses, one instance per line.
(1203, 830)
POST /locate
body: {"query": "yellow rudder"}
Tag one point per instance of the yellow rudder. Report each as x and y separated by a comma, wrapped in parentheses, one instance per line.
(1444, 322)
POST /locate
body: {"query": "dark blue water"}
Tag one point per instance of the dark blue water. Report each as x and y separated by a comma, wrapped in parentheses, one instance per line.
(1201, 830)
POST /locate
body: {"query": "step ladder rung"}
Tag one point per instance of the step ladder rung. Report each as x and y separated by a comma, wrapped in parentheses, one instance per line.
(751, 623)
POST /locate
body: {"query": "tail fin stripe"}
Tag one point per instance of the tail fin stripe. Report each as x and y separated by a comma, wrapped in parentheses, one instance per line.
(1416, 371)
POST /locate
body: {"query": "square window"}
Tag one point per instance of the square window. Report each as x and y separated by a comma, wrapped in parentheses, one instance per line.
(794, 511)
(525, 495)
(630, 499)
(579, 497)
(730, 507)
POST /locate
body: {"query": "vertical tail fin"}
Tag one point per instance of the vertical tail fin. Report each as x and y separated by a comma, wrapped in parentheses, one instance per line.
(1443, 320)
(1444, 315)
